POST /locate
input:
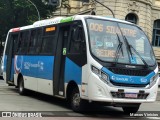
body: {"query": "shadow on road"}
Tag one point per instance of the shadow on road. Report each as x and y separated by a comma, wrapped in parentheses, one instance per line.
(92, 110)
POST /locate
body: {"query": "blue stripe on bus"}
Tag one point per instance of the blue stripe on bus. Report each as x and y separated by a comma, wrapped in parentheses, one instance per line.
(12, 70)
(12, 67)
(72, 72)
(5, 63)
(35, 66)
(128, 79)
(42, 67)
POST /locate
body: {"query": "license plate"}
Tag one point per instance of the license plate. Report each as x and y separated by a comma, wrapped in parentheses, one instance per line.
(130, 95)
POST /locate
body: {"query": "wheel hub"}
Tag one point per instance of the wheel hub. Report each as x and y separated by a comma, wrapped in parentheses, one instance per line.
(76, 99)
(21, 87)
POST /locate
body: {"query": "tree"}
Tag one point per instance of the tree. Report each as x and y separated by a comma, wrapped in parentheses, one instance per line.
(16, 13)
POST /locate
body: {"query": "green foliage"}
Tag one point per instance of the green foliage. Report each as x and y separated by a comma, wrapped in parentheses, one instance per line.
(16, 13)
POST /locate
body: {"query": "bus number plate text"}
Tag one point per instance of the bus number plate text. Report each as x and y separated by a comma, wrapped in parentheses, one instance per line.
(130, 95)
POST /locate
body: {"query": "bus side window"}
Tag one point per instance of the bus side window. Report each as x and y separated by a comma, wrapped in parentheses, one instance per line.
(48, 40)
(77, 43)
(32, 42)
(19, 44)
(39, 40)
(13, 37)
(83, 42)
(23, 42)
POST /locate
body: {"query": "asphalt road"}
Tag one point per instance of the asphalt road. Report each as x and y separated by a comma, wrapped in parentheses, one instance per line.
(49, 106)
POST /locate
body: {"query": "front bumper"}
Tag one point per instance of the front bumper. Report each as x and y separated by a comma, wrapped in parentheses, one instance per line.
(98, 90)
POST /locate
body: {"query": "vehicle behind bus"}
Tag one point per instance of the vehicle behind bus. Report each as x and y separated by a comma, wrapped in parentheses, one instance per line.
(83, 59)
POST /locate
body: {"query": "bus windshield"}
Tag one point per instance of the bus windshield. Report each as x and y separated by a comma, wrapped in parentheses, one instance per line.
(119, 42)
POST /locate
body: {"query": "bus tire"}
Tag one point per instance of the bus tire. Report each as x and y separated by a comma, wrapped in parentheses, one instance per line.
(128, 110)
(77, 104)
(21, 88)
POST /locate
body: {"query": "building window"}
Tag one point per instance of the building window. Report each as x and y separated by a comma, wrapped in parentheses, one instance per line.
(156, 33)
(131, 18)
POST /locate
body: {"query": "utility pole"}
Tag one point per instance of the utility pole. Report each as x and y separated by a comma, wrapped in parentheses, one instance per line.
(105, 7)
(36, 9)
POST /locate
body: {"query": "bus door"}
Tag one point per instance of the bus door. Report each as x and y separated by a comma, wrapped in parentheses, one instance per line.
(70, 56)
(13, 38)
(59, 64)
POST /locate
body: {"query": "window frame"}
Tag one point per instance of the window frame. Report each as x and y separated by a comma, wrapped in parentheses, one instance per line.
(134, 21)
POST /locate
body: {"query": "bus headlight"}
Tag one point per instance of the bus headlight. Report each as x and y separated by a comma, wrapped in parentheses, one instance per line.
(103, 76)
(95, 70)
(154, 79)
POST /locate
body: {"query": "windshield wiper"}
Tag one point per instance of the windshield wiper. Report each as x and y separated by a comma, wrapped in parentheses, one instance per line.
(129, 48)
(126, 41)
(118, 49)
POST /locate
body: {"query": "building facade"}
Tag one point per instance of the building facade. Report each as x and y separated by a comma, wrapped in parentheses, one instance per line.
(144, 13)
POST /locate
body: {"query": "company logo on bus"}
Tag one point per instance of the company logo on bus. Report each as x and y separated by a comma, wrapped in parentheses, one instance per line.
(119, 78)
(144, 80)
(29, 65)
(129, 66)
(18, 64)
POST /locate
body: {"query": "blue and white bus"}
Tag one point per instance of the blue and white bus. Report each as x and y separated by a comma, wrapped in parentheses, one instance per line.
(83, 58)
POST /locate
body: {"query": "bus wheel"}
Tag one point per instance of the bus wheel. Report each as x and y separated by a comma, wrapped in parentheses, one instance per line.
(77, 104)
(128, 110)
(21, 88)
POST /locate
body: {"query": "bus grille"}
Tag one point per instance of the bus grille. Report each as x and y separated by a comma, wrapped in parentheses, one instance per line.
(128, 85)
(131, 72)
(122, 95)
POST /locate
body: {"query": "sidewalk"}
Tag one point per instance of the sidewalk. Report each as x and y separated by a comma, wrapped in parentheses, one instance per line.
(158, 94)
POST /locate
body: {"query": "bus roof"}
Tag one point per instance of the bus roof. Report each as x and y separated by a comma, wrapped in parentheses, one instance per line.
(63, 20)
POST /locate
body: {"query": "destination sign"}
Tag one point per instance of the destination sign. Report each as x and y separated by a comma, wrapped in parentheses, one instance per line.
(49, 29)
(97, 27)
(105, 53)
